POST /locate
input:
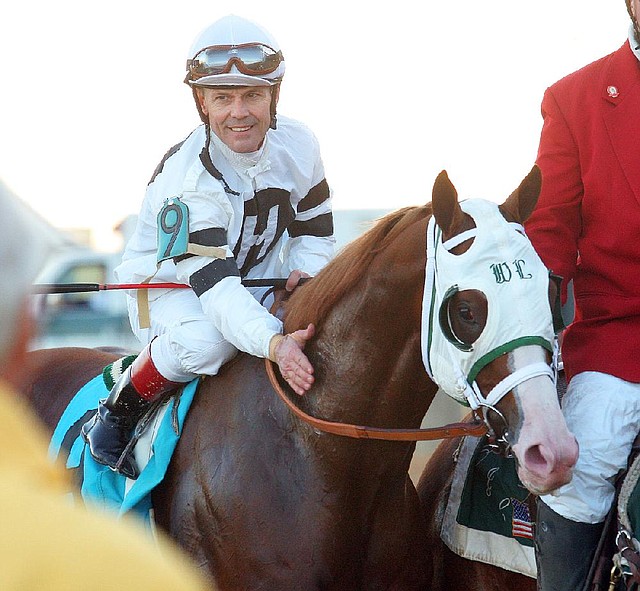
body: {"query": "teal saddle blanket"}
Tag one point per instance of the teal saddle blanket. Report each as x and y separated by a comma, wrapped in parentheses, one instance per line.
(102, 485)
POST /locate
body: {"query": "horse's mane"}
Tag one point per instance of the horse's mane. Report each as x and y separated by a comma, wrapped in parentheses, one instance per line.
(311, 302)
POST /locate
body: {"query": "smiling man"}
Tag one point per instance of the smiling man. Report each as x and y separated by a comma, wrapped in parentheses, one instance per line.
(244, 196)
(240, 117)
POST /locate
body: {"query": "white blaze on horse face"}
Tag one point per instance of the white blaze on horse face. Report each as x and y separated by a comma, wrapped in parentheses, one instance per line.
(546, 450)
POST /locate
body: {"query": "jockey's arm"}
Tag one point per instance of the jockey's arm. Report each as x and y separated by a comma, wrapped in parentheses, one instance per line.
(243, 321)
(311, 243)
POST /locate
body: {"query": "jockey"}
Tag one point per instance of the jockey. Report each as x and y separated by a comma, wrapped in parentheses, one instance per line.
(244, 196)
(585, 228)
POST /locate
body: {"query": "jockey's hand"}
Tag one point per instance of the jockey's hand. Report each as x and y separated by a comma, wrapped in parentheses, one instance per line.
(286, 351)
(294, 278)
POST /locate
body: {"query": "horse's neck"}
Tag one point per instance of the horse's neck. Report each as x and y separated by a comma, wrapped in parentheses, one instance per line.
(370, 385)
(369, 368)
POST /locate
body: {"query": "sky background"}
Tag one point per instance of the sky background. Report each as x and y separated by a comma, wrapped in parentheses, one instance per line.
(92, 93)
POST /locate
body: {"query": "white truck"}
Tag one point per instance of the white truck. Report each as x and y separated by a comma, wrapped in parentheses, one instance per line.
(89, 319)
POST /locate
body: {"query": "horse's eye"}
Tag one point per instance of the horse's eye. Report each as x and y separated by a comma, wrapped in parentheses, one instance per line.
(466, 314)
(464, 317)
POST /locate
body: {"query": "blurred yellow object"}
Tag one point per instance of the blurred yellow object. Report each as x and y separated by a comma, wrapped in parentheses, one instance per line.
(49, 543)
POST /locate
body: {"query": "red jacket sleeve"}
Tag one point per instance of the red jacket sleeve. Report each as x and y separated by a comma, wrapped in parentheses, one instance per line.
(555, 225)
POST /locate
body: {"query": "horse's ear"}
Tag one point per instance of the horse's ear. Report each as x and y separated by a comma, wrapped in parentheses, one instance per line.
(521, 203)
(446, 208)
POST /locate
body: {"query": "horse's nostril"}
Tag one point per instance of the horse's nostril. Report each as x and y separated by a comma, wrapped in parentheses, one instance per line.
(535, 459)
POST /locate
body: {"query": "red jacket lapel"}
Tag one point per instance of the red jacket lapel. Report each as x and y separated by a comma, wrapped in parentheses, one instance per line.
(621, 90)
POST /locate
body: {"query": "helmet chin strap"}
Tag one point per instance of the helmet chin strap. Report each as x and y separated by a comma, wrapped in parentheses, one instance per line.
(203, 117)
(275, 93)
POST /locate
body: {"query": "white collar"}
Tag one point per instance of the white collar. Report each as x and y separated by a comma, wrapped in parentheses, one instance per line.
(250, 163)
(633, 42)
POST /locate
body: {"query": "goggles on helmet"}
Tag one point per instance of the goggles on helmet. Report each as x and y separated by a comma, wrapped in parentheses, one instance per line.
(252, 59)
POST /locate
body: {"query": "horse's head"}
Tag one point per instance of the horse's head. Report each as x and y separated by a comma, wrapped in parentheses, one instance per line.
(488, 337)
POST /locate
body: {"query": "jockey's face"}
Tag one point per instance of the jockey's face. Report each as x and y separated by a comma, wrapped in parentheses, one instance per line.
(239, 116)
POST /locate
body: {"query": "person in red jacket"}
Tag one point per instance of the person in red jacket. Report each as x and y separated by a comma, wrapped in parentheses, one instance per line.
(586, 228)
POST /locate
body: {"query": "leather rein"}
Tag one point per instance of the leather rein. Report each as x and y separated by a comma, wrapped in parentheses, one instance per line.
(475, 429)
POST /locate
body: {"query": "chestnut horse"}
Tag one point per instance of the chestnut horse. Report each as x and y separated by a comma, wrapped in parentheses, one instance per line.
(262, 499)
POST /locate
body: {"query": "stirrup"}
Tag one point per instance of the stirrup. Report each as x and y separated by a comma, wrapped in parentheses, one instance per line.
(126, 463)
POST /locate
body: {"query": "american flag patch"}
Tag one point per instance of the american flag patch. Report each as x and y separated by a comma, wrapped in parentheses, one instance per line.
(521, 526)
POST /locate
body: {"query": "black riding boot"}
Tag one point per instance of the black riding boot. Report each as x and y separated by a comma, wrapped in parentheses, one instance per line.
(109, 431)
(111, 428)
(564, 550)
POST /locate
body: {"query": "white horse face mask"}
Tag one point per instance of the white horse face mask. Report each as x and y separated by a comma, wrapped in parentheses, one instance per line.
(502, 264)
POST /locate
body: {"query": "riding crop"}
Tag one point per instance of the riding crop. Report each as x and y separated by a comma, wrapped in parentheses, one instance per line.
(51, 288)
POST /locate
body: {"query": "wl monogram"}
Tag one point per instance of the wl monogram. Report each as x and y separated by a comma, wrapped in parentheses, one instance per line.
(503, 273)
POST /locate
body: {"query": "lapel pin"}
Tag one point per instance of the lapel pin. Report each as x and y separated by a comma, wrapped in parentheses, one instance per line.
(612, 91)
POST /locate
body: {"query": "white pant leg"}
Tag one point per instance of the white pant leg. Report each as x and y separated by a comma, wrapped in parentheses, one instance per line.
(603, 412)
(186, 343)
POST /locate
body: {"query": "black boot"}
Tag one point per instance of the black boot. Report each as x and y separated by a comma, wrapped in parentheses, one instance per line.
(564, 550)
(111, 428)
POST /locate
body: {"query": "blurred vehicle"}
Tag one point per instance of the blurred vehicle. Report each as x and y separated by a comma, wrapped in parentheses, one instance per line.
(91, 319)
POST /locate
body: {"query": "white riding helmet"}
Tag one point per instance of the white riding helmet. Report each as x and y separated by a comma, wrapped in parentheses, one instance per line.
(234, 51)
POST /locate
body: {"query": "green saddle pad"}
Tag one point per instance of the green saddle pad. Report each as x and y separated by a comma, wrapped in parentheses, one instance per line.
(486, 516)
(493, 498)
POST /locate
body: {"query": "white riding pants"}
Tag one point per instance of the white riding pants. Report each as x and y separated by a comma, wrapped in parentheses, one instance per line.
(186, 344)
(603, 412)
